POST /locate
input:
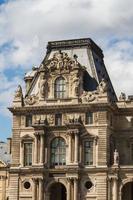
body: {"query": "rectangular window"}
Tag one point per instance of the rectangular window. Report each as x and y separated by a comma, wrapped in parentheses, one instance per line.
(28, 154)
(89, 118)
(58, 119)
(28, 121)
(88, 152)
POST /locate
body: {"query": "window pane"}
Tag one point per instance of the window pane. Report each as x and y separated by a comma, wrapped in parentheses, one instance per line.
(60, 87)
(58, 119)
(58, 151)
(89, 118)
(28, 154)
(88, 152)
(28, 120)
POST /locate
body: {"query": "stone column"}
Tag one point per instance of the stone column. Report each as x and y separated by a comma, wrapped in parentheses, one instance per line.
(70, 149)
(75, 189)
(46, 155)
(3, 187)
(76, 148)
(36, 149)
(115, 189)
(22, 154)
(109, 188)
(40, 189)
(34, 192)
(68, 189)
(42, 152)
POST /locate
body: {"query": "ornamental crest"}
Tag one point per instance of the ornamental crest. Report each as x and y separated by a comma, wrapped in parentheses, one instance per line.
(61, 61)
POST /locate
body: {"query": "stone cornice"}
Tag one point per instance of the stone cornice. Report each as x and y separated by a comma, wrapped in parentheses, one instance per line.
(66, 44)
(47, 109)
(126, 111)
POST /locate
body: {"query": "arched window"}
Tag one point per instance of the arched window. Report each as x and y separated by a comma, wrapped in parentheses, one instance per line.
(60, 88)
(58, 151)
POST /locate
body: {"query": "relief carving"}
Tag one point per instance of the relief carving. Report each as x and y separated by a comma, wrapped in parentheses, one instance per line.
(61, 61)
(50, 119)
(88, 97)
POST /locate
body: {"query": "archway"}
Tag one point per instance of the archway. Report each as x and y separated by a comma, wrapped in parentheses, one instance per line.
(127, 191)
(58, 191)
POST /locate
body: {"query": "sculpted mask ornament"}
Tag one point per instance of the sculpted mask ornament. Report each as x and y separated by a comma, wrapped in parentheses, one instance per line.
(18, 92)
(30, 100)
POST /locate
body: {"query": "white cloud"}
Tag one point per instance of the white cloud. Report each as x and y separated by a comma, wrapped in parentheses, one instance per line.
(119, 59)
(28, 24)
(7, 90)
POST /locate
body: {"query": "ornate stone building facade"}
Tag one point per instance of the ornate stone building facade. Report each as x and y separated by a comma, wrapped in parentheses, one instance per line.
(72, 138)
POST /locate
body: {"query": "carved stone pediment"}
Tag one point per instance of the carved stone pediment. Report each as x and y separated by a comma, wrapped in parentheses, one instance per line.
(27, 137)
(61, 61)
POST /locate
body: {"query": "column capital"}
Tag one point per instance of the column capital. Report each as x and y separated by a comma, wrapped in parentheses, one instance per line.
(36, 134)
(35, 179)
(41, 179)
(72, 178)
(69, 179)
(73, 131)
(39, 133)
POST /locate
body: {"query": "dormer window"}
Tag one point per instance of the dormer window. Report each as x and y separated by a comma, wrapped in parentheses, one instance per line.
(60, 88)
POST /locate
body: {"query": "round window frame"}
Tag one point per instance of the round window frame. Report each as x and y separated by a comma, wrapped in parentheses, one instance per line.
(26, 183)
(88, 182)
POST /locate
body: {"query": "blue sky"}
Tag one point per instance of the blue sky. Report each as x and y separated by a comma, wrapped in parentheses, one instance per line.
(27, 25)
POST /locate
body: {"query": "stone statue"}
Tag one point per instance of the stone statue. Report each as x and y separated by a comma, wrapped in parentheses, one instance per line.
(18, 92)
(75, 85)
(102, 86)
(43, 87)
(116, 157)
(122, 97)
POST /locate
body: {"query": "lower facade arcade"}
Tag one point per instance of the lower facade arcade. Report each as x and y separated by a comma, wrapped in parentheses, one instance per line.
(74, 186)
